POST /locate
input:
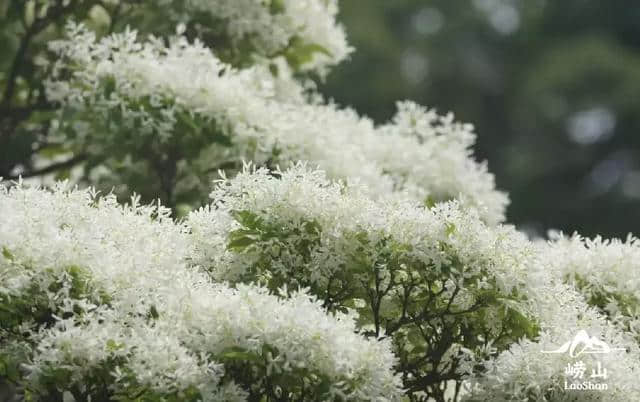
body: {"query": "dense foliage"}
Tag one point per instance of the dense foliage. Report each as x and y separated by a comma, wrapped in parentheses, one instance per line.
(336, 258)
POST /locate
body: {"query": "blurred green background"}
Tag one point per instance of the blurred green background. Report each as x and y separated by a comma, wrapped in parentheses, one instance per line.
(553, 88)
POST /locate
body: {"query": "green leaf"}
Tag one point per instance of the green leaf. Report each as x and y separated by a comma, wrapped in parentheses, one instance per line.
(240, 354)
(276, 6)
(9, 368)
(312, 227)
(300, 53)
(450, 229)
(221, 139)
(52, 151)
(7, 254)
(188, 120)
(109, 86)
(247, 219)
(113, 346)
(153, 313)
(430, 202)
(80, 280)
(239, 241)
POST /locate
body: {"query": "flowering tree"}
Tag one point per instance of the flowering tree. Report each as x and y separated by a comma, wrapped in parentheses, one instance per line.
(336, 259)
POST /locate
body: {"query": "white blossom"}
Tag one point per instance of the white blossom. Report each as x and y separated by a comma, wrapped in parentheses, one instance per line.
(525, 372)
(298, 227)
(603, 270)
(373, 266)
(123, 295)
(132, 90)
(274, 25)
(300, 194)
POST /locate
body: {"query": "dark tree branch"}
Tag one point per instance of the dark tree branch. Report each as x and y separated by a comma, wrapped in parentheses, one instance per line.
(20, 58)
(51, 168)
(17, 63)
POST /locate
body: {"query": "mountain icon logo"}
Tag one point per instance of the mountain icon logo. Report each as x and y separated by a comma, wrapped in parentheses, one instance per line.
(581, 344)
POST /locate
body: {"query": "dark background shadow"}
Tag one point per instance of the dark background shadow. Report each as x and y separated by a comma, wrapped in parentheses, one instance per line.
(553, 88)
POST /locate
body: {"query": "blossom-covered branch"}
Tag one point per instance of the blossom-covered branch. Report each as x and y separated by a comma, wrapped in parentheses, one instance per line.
(98, 300)
(438, 282)
(186, 112)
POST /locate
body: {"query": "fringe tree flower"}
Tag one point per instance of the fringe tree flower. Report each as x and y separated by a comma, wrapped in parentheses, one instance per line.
(438, 282)
(98, 300)
(186, 113)
(304, 31)
(525, 372)
(604, 271)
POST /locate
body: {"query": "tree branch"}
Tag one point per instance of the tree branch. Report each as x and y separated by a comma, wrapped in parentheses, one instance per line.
(51, 168)
(37, 26)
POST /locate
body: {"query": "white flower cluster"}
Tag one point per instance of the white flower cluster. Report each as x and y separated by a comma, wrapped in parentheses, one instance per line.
(375, 268)
(296, 225)
(585, 285)
(293, 198)
(272, 27)
(388, 259)
(183, 92)
(91, 289)
(431, 156)
(525, 372)
(98, 293)
(604, 271)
